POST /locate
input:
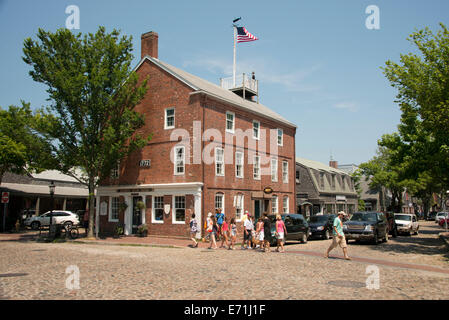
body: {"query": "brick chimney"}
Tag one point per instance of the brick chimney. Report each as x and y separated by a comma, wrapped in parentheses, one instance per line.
(149, 44)
(333, 164)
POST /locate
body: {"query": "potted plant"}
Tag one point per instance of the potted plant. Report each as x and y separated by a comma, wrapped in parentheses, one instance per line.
(118, 231)
(140, 205)
(142, 230)
(123, 206)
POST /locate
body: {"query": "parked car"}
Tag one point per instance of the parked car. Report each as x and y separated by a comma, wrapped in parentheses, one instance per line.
(407, 223)
(58, 217)
(321, 226)
(431, 216)
(392, 226)
(297, 227)
(440, 216)
(362, 226)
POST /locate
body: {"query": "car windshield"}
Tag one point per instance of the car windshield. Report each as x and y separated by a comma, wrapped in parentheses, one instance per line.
(358, 216)
(402, 217)
(315, 219)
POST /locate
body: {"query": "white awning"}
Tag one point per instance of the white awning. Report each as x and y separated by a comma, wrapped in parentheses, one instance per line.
(44, 190)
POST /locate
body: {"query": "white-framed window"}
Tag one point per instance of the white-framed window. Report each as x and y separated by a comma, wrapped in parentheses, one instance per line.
(219, 162)
(256, 129)
(238, 204)
(115, 172)
(285, 171)
(280, 137)
(219, 201)
(274, 204)
(180, 160)
(256, 168)
(114, 208)
(285, 208)
(169, 122)
(179, 210)
(230, 121)
(158, 210)
(239, 164)
(274, 170)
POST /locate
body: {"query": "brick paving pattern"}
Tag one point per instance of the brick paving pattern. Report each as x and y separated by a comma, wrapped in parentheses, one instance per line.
(30, 270)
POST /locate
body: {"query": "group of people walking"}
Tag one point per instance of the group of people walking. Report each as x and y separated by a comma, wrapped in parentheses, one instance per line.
(256, 235)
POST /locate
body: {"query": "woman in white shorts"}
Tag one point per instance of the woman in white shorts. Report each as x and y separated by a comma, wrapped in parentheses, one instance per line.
(281, 232)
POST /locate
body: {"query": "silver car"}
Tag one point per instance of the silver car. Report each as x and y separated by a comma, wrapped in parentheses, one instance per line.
(406, 223)
(58, 217)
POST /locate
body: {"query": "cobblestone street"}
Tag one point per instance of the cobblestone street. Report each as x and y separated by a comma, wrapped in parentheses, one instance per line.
(410, 267)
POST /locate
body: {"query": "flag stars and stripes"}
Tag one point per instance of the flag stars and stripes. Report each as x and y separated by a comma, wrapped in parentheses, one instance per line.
(244, 36)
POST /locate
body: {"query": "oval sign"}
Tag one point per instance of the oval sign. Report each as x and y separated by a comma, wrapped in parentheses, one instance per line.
(268, 190)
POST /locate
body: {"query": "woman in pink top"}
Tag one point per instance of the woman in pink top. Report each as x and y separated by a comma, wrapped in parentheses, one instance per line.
(224, 233)
(281, 232)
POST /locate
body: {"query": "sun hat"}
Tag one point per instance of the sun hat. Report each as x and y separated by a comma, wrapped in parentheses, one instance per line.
(342, 213)
(209, 214)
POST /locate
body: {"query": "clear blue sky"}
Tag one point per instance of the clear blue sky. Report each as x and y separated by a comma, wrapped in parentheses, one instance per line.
(318, 65)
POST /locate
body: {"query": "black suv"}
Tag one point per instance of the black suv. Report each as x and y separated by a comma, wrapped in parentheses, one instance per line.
(366, 226)
(321, 226)
(297, 227)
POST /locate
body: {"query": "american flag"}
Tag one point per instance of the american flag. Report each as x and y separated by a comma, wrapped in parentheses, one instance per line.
(244, 36)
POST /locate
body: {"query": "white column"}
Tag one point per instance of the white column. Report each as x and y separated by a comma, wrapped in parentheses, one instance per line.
(197, 208)
(128, 216)
(64, 205)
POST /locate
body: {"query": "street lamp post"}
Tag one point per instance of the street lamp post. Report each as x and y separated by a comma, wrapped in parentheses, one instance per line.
(52, 193)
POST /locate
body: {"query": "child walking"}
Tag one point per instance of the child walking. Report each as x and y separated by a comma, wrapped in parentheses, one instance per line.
(193, 230)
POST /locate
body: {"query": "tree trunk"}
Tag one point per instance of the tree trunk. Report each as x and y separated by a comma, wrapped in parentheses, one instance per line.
(91, 200)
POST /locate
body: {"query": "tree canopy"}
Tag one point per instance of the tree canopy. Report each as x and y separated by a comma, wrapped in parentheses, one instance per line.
(93, 92)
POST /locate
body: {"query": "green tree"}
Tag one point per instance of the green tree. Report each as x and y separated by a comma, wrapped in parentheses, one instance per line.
(21, 148)
(93, 93)
(422, 81)
(357, 177)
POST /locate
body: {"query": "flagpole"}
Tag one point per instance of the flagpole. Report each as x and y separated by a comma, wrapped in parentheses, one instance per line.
(235, 50)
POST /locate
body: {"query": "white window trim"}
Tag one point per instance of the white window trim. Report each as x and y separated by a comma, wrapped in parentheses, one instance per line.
(165, 118)
(223, 200)
(283, 180)
(243, 208)
(242, 164)
(153, 212)
(173, 209)
(277, 204)
(258, 137)
(223, 163)
(288, 205)
(282, 137)
(277, 171)
(175, 158)
(110, 210)
(233, 122)
(254, 164)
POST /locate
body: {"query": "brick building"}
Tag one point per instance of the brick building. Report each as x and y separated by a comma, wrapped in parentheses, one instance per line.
(212, 146)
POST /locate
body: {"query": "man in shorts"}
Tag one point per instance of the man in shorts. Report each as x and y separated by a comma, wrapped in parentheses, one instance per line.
(338, 238)
(247, 232)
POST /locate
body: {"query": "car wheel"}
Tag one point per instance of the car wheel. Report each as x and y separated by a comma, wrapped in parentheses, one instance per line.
(375, 238)
(35, 225)
(304, 238)
(327, 235)
(68, 223)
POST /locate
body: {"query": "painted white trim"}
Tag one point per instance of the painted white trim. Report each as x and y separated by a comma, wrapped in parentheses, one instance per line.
(233, 122)
(175, 157)
(243, 208)
(258, 137)
(277, 204)
(277, 169)
(254, 163)
(223, 201)
(282, 137)
(110, 210)
(153, 208)
(173, 213)
(288, 204)
(223, 162)
(165, 118)
(283, 180)
(242, 164)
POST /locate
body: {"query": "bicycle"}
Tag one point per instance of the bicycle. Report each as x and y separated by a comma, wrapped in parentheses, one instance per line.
(69, 231)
